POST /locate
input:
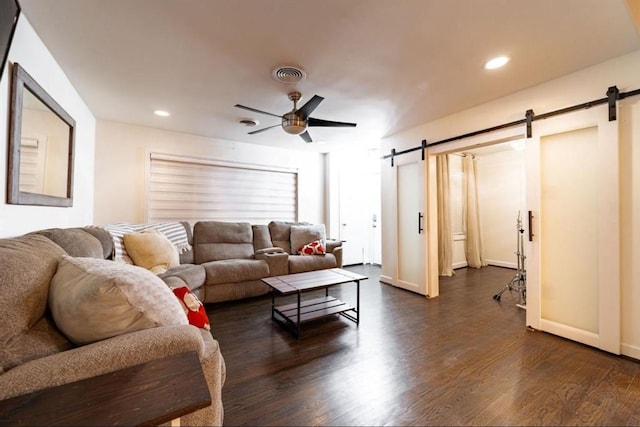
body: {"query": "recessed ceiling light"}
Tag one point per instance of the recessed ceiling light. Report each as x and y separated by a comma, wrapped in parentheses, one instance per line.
(161, 113)
(249, 122)
(496, 62)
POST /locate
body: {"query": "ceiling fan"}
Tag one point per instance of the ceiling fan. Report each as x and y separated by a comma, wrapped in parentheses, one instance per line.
(297, 120)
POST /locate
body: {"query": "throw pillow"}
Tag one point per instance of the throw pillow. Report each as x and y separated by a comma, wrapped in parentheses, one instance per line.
(193, 308)
(152, 250)
(314, 248)
(175, 232)
(92, 299)
(305, 234)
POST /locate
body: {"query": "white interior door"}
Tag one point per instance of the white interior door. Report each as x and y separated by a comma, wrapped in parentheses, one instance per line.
(354, 210)
(411, 272)
(353, 224)
(573, 257)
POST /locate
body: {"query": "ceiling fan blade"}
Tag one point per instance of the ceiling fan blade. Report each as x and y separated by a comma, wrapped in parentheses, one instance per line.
(305, 135)
(257, 111)
(262, 130)
(308, 108)
(329, 123)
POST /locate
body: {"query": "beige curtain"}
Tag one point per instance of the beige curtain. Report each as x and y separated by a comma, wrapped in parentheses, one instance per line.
(445, 239)
(473, 249)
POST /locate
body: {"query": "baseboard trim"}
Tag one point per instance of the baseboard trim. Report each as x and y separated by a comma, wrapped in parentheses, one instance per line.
(630, 350)
(569, 332)
(499, 263)
(493, 262)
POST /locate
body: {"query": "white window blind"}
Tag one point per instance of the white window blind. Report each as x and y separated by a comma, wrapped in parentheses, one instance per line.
(194, 189)
(32, 165)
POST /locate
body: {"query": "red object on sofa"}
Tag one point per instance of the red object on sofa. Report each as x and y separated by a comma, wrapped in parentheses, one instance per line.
(193, 308)
(313, 248)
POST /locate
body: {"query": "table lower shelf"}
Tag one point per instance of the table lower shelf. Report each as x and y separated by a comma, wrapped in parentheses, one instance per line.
(313, 309)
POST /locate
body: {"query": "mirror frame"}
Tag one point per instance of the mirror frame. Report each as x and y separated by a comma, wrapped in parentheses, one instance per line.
(23, 81)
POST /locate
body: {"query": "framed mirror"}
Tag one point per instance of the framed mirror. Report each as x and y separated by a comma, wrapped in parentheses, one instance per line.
(41, 145)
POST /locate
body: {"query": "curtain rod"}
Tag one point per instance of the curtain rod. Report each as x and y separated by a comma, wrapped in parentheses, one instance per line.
(612, 96)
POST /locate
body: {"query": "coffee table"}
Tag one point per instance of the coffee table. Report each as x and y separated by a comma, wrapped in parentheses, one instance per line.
(292, 315)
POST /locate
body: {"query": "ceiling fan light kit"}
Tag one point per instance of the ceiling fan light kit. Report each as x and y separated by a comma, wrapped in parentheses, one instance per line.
(293, 124)
(296, 121)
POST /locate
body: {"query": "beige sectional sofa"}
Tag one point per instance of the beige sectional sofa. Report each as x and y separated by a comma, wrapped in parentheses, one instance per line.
(35, 353)
(219, 261)
(225, 261)
(228, 259)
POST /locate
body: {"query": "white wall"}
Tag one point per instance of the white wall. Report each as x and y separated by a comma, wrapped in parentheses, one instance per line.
(120, 168)
(501, 191)
(586, 85)
(29, 51)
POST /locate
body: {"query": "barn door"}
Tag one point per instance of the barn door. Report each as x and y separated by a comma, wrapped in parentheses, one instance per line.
(573, 270)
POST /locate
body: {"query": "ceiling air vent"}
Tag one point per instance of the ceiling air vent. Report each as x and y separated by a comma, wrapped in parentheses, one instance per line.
(288, 74)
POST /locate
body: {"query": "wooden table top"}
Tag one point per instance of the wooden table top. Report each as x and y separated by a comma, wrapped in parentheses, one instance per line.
(152, 393)
(292, 283)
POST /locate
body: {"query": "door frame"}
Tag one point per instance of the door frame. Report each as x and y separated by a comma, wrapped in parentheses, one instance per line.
(505, 135)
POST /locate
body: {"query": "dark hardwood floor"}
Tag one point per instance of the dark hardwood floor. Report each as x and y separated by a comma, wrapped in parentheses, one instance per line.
(459, 359)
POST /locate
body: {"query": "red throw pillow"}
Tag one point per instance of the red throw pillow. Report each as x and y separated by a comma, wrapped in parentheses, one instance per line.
(313, 248)
(193, 308)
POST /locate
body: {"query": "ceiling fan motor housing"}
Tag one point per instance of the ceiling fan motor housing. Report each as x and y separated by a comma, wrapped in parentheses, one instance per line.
(293, 124)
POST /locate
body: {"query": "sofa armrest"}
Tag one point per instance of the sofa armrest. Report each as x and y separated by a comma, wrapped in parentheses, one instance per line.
(120, 352)
(332, 244)
(275, 250)
(100, 358)
(278, 261)
(337, 252)
(334, 247)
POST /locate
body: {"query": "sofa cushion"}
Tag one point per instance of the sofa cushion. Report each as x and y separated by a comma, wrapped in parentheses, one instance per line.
(305, 234)
(261, 237)
(152, 250)
(28, 264)
(93, 299)
(193, 275)
(280, 232)
(104, 237)
(75, 241)
(218, 240)
(300, 263)
(235, 270)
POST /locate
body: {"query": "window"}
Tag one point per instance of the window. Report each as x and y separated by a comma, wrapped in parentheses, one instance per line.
(198, 189)
(32, 164)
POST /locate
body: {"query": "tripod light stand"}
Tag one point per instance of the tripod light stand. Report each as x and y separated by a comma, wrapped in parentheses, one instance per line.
(519, 281)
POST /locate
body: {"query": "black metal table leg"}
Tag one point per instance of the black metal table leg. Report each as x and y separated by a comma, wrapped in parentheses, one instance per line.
(357, 302)
(298, 319)
(273, 305)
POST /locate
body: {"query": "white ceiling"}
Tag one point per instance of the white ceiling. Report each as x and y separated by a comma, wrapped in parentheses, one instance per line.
(387, 65)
